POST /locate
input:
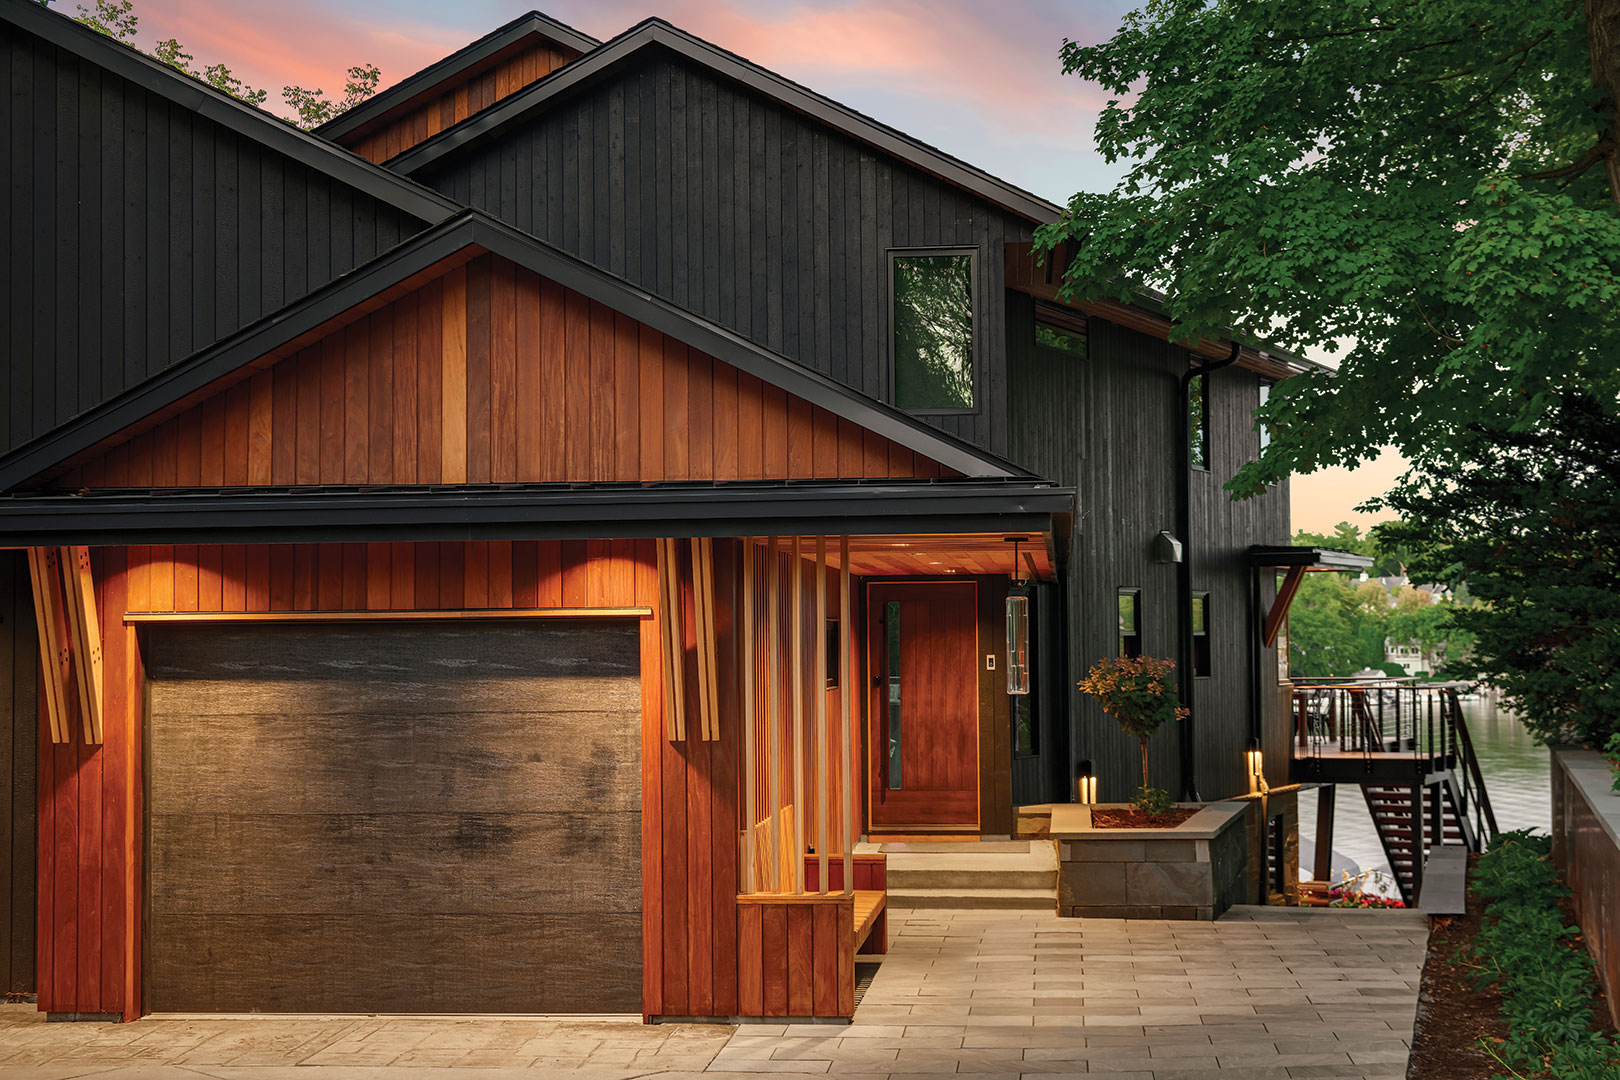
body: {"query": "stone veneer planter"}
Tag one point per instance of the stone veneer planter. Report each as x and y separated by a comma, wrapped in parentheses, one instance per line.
(1195, 870)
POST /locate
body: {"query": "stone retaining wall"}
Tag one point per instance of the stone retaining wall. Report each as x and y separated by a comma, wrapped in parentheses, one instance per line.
(1586, 846)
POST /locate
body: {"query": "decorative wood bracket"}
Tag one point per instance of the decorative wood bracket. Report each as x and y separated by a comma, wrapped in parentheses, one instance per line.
(55, 658)
(78, 583)
(707, 664)
(671, 643)
(1279, 606)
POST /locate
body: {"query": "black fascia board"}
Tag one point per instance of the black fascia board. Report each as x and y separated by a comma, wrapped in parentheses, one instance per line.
(801, 99)
(538, 512)
(473, 228)
(450, 66)
(1312, 558)
(221, 108)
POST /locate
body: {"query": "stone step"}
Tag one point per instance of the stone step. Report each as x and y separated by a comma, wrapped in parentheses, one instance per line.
(975, 866)
(973, 899)
(976, 877)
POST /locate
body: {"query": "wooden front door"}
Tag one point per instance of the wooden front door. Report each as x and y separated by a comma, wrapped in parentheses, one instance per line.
(925, 706)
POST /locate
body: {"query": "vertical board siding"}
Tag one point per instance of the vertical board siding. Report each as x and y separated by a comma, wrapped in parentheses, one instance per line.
(452, 101)
(151, 233)
(697, 942)
(533, 383)
(1107, 424)
(747, 213)
(19, 771)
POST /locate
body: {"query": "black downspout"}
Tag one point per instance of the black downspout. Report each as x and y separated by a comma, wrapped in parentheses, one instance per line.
(1184, 682)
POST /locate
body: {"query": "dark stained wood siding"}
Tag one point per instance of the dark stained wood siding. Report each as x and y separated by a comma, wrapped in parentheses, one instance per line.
(19, 752)
(451, 102)
(492, 374)
(1108, 425)
(744, 212)
(142, 232)
(395, 818)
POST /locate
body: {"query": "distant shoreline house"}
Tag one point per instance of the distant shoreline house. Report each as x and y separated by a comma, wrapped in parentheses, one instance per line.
(499, 552)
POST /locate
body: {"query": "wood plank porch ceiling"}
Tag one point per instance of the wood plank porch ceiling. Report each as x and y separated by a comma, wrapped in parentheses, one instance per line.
(936, 554)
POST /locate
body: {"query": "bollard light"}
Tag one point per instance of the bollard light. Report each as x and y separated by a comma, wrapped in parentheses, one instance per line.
(1085, 784)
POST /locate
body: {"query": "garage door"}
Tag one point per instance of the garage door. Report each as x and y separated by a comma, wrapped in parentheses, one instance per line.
(395, 818)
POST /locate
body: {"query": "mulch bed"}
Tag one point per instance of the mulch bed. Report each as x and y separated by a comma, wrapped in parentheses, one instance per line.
(1453, 1014)
(1135, 819)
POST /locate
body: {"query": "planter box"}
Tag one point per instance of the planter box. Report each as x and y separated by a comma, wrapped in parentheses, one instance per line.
(1195, 870)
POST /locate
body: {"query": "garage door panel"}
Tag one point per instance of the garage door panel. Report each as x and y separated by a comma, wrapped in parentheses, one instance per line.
(396, 963)
(370, 763)
(408, 863)
(397, 818)
(323, 670)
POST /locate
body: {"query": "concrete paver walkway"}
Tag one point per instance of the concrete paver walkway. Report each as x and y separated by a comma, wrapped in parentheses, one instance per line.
(1264, 994)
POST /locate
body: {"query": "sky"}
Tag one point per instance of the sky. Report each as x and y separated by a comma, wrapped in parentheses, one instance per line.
(980, 81)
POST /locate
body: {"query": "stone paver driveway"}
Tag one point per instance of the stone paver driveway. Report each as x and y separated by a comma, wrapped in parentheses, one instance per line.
(1264, 994)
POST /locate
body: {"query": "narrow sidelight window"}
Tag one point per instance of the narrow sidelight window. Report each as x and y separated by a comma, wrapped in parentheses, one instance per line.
(891, 621)
(1198, 423)
(1200, 629)
(932, 350)
(1265, 396)
(1130, 622)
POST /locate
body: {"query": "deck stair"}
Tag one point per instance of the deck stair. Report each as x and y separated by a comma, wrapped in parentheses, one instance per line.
(1407, 746)
(990, 875)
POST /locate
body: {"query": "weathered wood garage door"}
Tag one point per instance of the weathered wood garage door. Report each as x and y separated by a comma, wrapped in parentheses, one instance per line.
(394, 818)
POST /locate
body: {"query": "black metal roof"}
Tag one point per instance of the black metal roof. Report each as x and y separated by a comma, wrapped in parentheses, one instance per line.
(657, 32)
(532, 22)
(473, 228)
(1312, 558)
(535, 511)
(221, 108)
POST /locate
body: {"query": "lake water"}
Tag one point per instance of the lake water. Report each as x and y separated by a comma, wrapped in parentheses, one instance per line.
(1516, 777)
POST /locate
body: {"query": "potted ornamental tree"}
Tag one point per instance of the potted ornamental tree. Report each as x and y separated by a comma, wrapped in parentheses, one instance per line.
(1139, 692)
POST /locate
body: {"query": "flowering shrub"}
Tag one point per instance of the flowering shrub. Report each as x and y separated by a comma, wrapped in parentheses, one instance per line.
(1139, 693)
(1365, 900)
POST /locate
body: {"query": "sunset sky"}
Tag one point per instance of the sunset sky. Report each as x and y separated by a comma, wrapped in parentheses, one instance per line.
(979, 81)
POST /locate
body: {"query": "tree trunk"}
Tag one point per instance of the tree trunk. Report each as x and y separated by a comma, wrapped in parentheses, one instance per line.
(1603, 32)
(1144, 762)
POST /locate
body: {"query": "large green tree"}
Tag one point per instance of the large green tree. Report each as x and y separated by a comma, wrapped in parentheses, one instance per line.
(1427, 189)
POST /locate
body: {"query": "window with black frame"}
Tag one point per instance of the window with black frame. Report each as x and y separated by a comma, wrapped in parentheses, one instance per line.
(1200, 633)
(1198, 422)
(932, 348)
(1130, 622)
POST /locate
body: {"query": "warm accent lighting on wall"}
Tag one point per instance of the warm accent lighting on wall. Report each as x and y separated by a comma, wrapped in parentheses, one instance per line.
(1256, 766)
(1085, 784)
(1018, 642)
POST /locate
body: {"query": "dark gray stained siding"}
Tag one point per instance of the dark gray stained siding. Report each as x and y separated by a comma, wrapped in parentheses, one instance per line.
(136, 232)
(1108, 425)
(733, 207)
(19, 796)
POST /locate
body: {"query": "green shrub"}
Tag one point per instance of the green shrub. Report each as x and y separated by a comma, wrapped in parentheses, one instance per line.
(1544, 974)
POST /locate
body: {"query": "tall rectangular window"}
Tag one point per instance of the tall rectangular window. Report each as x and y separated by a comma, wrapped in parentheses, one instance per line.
(1198, 423)
(1200, 629)
(1265, 396)
(933, 331)
(1130, 622)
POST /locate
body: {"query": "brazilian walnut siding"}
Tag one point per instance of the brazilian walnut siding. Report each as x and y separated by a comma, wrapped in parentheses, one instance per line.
(137, 232)
(1108, 425)
(724, 202)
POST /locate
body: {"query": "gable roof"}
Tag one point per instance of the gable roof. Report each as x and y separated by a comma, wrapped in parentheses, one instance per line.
(656, 33)
(473, 229)
(492, 44)
(223, 109)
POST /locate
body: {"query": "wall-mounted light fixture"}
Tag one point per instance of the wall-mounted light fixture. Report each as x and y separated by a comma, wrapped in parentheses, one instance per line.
(1085, 784)
(1256, 765)
(1166, 548)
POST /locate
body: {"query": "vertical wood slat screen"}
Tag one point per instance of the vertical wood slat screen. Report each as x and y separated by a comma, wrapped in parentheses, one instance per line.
(671, 640)
(798, 770)
(53, 647)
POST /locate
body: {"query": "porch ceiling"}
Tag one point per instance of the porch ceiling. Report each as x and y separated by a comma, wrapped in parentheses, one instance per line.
(932, 554)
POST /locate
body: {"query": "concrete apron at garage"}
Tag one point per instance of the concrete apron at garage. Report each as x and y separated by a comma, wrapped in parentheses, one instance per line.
(1262, 994)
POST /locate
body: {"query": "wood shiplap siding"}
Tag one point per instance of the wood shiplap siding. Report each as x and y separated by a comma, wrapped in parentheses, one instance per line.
(449, 104)
(1108, 424)
(746, 213)
(140, 232)
(19, 752)
(492, 374)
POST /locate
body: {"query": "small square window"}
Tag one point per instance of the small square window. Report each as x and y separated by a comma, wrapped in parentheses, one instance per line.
(1130, 623)
(933, 332)
(1200, 628)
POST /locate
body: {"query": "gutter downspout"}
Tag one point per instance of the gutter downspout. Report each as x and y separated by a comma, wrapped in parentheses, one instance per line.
(1184, 684)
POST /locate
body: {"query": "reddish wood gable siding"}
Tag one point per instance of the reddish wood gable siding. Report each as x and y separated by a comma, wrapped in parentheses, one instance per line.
(491, 374)
(449, 103)
(90, 797)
